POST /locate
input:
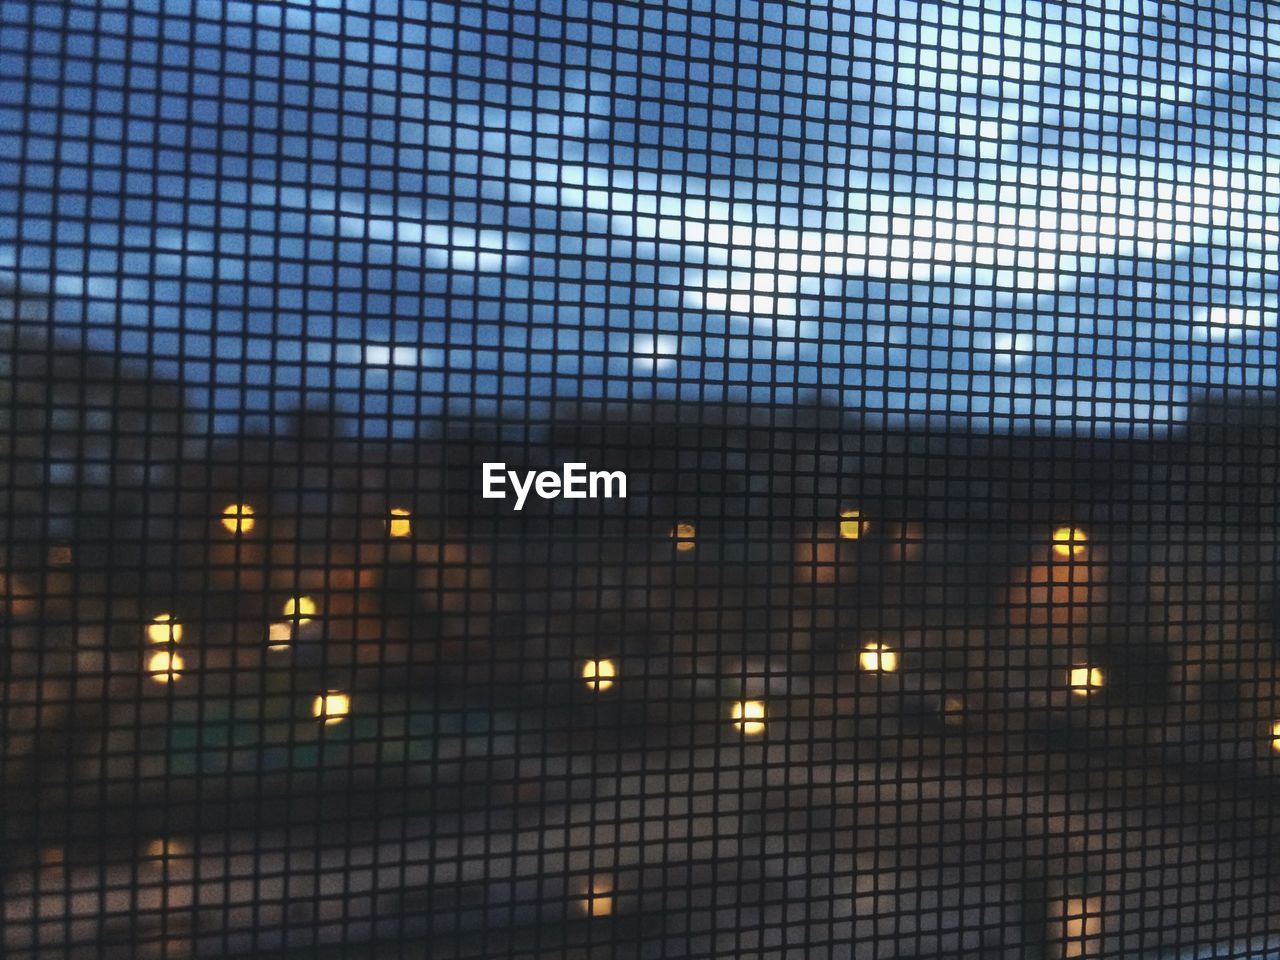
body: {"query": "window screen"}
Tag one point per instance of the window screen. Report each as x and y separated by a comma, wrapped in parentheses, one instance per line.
(691, 479)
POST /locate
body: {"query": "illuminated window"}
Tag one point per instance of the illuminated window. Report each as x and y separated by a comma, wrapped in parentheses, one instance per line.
(953, 712)
(597, 897)
(852, 526)
(279, 635)
(878, 658)
(165, 666)
(1069, 542)
(748, 717)
(599, 674)
(164, 848)
(164, 628)
(1086, 680)
(1275, 736)
(683, 535)
(300, 609)
(399, 523)
(1079, 927)
(237, 518)
(331, 707)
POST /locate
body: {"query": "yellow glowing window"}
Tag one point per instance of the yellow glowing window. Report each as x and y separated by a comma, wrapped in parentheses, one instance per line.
(237, 518)
(331, 707)
(878, 658)
(599, 674)
(1087, 680)
(301, 609)
(1275, 736)
(164, 628)
(399, 523)
(597, 899)
(165, 666)
(1069, 542)
(684, 535)
(748, 717)
(852, 526)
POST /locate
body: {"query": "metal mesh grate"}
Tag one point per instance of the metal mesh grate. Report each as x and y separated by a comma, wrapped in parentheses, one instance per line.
(935, 343)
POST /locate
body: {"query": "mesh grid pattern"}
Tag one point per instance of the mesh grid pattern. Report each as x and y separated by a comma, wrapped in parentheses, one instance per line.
(936, 343)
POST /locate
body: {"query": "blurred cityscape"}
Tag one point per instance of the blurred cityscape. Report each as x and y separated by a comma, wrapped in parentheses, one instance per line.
(814, 689)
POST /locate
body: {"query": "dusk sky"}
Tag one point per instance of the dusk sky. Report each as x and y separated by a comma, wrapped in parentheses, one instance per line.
(1025, 215)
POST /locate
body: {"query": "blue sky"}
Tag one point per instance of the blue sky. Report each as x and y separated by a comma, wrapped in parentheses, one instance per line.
(1003, 216)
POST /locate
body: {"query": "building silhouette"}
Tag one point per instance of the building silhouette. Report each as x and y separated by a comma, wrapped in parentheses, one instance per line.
(877, 693)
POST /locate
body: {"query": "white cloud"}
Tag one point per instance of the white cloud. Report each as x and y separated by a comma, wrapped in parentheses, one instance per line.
(1074, 222)
(654, 353)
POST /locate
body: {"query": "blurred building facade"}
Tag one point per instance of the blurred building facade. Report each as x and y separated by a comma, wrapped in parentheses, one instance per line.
(1009, 695)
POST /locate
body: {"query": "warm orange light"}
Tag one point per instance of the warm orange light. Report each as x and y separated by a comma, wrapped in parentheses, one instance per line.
(301, 609)
(237, 518)
(1275, 736)
(852, 526)
(164, 628)
(1086, 680)
(400, 523)
(165, 666)
(598, 898)
(748, 717)
(1069, 542)
(878, 658)
(17, 595)
(953, 712)
(684, 535)
(1055, 592)
(1080, 924)
(166, 847)
(907, 543)
(331, 707)
(816, 561)
(599, 674)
